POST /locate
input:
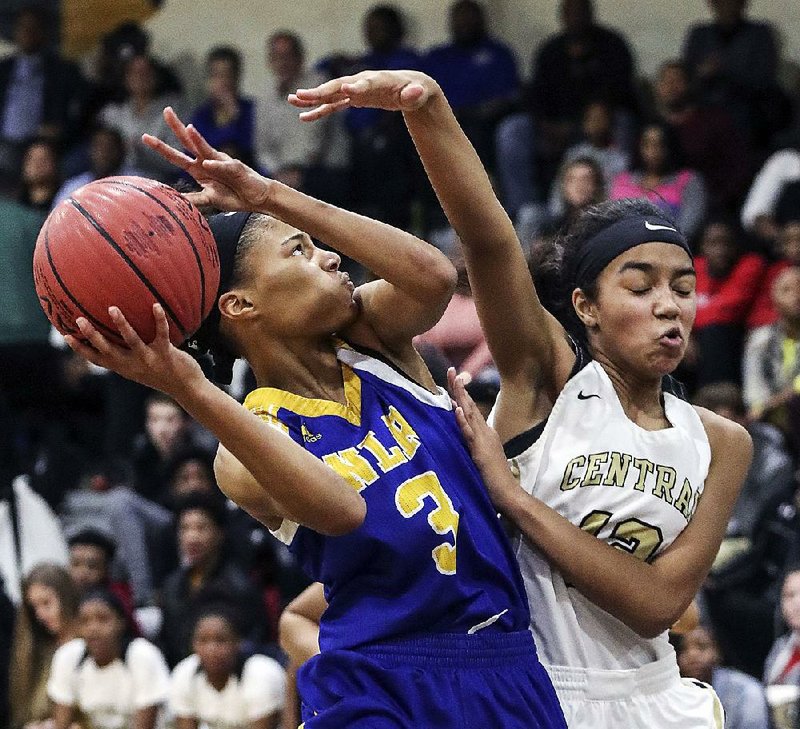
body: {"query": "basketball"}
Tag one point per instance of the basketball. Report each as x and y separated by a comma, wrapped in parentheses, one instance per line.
(127, 242)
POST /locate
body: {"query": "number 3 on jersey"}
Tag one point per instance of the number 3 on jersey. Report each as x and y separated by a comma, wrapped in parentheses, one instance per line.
(410, 498)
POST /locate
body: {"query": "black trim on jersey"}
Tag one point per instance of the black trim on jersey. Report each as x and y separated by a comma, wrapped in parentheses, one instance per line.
(383, 358)
(520, 443)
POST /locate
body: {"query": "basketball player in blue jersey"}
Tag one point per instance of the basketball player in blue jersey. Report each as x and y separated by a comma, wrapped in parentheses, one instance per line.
(350, 454)
(615, 538)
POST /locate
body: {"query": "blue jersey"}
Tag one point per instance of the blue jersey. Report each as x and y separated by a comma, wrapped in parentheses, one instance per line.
(431, 555)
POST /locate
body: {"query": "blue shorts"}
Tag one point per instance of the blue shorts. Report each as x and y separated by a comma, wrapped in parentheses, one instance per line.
(482, 681)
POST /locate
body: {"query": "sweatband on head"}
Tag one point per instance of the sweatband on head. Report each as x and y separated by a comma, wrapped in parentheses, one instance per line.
(621, 236)
(227, 229)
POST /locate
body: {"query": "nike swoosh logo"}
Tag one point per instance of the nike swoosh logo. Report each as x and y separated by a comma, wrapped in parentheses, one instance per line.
(650, 226)
(581, 396)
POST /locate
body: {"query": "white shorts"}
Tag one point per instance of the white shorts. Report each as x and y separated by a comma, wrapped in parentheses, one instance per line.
(651, 697)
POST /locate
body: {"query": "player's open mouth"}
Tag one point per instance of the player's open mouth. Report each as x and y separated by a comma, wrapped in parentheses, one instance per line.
(346, 280)
(671, 338)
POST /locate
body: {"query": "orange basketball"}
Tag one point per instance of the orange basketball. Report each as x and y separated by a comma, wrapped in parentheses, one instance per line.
(127, 242)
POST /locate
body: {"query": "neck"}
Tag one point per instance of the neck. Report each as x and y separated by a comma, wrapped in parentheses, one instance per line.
(106, 657)
(792, 328)
(218, 680)
(304, 367)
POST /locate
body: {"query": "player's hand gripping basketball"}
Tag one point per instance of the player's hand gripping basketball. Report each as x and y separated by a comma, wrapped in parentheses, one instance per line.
(390, 90)
(227, 183)
(483, 442)
(159, 364)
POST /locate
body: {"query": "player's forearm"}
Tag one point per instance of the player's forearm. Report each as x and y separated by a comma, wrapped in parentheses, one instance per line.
(390, 253)
(303, 487)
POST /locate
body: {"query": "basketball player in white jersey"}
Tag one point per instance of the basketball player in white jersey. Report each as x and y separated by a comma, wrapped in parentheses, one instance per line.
(614, 538)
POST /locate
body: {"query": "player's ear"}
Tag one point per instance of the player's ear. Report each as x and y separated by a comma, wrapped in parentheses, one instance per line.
(584, 308)
(235, 304)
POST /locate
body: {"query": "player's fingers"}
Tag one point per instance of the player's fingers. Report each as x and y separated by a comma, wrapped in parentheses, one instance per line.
(356, 88)
(83, 349)
(126, 331)
(176, 157)
(324, 110)
(199, 198)
(466, 428)
(178, 127)
(326, 91)
(202, 146)
(412, 95)
(295, 100)
(162, 325)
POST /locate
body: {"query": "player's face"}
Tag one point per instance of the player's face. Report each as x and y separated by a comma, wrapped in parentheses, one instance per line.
(790, 600)
(87, 565)
(698, 655)
(297, 288)
(216, 645)
(644, 309)
(46, 607)
(102, 628)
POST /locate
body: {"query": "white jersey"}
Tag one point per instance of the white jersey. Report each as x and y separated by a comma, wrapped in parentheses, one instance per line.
(635, 489)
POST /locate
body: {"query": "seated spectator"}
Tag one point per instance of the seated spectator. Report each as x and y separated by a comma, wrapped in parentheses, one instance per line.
(41, 94)
(758, 211)
(106, 158)
(140, 113)
(598, 145)
(478, 75)
(291, 152)
(657, 173)
(45, 621)
(40, 177)
(709, 140)
(788, 254)
(105, 500)
(226, 118)
(6, 631)
(733, 62)
(728, 281)
(106, 677)
(91, 556)
(742, 696)
(782, 666)
(205, 576)
(217, 685)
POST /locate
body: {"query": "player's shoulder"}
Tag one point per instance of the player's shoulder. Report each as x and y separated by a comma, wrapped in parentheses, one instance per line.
(726, 437)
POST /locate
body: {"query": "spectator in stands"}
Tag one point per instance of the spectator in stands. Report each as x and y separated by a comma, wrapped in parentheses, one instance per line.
(205, 576)
(45, 621)
(6, 631)
(91, 556)
(385, 168)
(40, 93)
(758, 212)
(788, 254)
(709, 140)
(107, 677)
(658, 174)
(742, 589)
(741, 696)
(303, 156)
(478, 75)
(40, 176)
(217, 685)
(106, 158)
(226, 118)
(733, 62)
(140, 113)
(782, 666)
(728, 281)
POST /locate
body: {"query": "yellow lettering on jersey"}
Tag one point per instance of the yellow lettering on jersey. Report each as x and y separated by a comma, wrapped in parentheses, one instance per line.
(270, 419)
(352, 467)
(617, 469)
(402, 432)
(645, 469)
(684, 501)
(387, 459)
(665, 482)
(593, 477)
(410, 498)
(697, 497)
(568, 482)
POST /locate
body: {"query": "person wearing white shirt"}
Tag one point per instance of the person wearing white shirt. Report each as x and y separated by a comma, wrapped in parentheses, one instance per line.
(214, 689)
(104, 677)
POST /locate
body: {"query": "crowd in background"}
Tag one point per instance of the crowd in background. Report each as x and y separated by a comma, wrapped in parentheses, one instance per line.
(130, 585)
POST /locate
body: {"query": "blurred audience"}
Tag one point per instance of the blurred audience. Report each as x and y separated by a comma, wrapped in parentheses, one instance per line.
(40, 175)
(782, 666)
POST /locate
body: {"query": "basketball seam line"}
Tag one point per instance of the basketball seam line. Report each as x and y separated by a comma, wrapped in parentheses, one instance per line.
(96, 322)
(99, 228)
(182, 227)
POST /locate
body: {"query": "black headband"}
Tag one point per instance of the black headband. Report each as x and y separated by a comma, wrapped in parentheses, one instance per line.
(227, 229)
(619, 237)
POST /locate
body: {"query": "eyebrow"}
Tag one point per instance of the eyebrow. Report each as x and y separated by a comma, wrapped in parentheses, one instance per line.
(650, 268)
(292, 237)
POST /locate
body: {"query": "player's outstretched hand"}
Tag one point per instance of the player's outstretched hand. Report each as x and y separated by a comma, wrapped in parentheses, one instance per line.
(483, 442)
(159, 364)
(228, 184)
(391, 90)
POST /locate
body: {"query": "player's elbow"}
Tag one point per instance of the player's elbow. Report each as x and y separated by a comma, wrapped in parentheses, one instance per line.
(660, 615)
(348, 517)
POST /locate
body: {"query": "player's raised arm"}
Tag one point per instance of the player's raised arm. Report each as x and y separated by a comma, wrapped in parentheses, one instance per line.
(415, 279)
(528, 345)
